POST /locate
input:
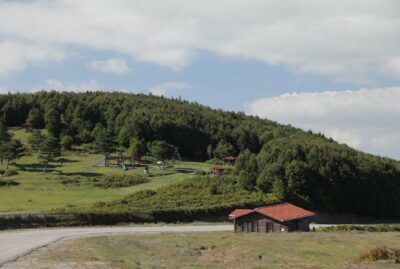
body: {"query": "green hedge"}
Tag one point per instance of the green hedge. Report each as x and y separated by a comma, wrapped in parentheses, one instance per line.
(363, 228)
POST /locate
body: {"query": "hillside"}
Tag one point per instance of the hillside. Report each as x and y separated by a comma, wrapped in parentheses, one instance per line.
(275, 162)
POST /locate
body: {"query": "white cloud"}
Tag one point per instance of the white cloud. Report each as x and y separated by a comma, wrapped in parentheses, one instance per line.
(112, 65)
(84, 86)
(52, 84)
(367, 119)
(345, 40)
(16, 55)
(167, 87)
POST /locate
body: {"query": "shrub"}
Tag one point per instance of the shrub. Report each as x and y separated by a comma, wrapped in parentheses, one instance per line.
(66, 142)
(68, 181)
(8, 173)
(215, 161)
(8, 183)
(121, 181)
(364, 228)
(380, 253)
(200, 173)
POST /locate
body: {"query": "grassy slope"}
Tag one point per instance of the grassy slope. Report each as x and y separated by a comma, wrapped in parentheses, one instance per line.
(215, 250)
(39, 192)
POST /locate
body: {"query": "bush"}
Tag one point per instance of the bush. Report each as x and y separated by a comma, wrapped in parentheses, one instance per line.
(67, 142)
(8, 183)
(380, 253)
(215, 161)
(121, 181)
(362, 228)
(69, 181)
(200, 173)
(8, 173)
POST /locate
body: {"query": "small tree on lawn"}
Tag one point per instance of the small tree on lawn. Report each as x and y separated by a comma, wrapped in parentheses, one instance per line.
(161, 150)
(136, 148)
(4, 138)
(67, 142)
(35, 140)
(13, 150)
(49, 149)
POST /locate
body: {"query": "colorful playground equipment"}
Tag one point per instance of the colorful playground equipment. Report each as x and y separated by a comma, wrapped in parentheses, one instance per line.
(120, 161)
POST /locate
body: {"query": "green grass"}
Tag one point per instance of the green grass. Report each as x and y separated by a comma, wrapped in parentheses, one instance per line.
(40, 192)
(217, 250)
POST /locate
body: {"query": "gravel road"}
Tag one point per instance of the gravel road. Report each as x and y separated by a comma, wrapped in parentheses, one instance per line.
(19, 243)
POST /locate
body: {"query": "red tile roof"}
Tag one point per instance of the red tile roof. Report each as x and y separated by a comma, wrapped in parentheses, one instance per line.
(230, 158)
(279, 212)
(217, 168)
(239, 212)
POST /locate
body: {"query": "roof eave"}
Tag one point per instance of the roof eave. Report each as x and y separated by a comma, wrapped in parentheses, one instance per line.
(302, 217)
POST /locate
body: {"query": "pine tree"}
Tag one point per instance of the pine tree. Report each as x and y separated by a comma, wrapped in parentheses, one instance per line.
(35, 140)
(48, 150)
(4, 138)
(13, 150)
(35, 118)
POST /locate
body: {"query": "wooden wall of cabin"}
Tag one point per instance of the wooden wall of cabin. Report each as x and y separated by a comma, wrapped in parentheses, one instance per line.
(257, 223)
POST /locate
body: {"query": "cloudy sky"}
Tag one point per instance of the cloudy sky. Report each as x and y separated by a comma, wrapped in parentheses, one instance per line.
(331, 66)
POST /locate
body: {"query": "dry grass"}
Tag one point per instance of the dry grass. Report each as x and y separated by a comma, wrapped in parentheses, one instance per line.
(215, 250)
(380, 253)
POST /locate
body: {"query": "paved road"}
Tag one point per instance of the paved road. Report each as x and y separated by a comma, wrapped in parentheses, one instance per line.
(16, 244)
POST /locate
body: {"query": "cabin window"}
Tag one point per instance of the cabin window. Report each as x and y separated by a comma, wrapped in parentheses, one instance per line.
(242, 226)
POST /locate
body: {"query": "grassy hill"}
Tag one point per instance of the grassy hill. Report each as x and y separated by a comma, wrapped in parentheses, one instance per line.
(70, 185)
(275, 162)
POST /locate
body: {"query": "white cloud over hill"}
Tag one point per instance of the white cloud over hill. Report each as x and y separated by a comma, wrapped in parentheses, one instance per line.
(367, 119)
(345, 40)
(168, 87)
(112, 65)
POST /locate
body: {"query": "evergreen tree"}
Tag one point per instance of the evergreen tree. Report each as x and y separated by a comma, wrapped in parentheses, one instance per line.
(161, 150)
(12, 150)
(48, 150)
(53, 121)
(35, 140)
(35, 118)
(224, 149)
(67, 142)
(136, 148)
(4, 138)
(103, 140)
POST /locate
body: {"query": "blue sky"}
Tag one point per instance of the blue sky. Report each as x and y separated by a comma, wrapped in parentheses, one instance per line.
(330, 66)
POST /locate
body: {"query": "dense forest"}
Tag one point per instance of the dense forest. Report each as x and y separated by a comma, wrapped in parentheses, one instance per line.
(277, 160)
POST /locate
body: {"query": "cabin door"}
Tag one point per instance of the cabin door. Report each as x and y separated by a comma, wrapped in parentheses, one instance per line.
(270, 227)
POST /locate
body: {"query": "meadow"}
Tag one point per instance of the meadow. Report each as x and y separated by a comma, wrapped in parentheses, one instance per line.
(216, 250)
(69, 185)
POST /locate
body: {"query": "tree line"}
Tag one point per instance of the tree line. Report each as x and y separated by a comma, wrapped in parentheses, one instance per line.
(279, 160)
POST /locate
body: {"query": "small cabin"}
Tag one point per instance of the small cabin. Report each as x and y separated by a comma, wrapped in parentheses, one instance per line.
(217, 169)
(27, 127)
(229, 160)
(277, 218)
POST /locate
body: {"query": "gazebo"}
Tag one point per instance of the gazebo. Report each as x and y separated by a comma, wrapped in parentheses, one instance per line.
(217, 169)
(229, 160)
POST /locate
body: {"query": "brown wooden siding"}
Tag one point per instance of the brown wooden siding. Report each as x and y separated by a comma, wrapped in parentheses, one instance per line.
(255, 222)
